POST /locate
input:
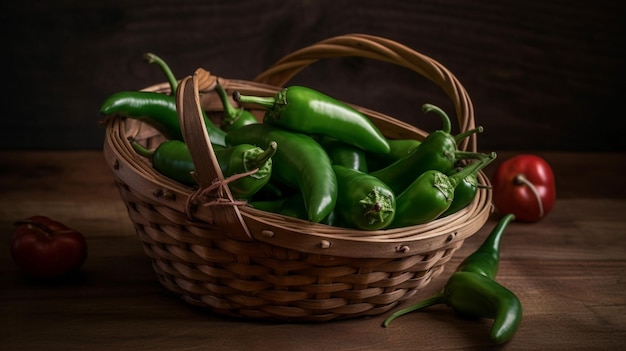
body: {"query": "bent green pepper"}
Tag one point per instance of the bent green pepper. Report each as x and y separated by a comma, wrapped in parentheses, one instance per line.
(157, 110)
(363, 201)
(309, 111)
(485, 260)
(438, 151)
(472, 291)
(431, 194)
(300, 163)
(172, 159)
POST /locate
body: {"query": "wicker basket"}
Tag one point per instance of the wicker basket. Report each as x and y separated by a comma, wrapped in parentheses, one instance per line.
(235, 260)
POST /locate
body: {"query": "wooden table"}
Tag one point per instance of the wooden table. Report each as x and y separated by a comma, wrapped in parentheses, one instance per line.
(568, 271)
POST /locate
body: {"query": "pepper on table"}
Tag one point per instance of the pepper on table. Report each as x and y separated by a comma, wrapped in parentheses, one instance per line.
(524, 185)
(472, 290)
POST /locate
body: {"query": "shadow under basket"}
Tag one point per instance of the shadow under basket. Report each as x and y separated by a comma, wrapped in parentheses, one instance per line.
(239, 261)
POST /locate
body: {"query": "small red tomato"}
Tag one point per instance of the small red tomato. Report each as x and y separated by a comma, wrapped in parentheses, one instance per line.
(46, 249)
(524, 186)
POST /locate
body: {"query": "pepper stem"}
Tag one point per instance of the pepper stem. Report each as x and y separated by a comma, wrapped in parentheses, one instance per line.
(152, 58)
(447, 126)
(459, 137)
(376, 207)
(474, 167)
(431, 301)
(260, 159)
(231, 113)
(265, 101)
(465, 155)
(520, 179)
(140, 149)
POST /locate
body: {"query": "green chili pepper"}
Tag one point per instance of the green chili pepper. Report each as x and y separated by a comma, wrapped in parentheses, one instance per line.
(271, 191)
(438, 151)
(172, 159)
(477, 296)
(273, 206)
(344, 154)
(152, 58)
(398, 148)
(485, 259)
(464, 193)
(233, 117)
(471, 290)
(292, 206)
(309, 111)
(431, 194)
(300, 162)
(157, 110)
(363, 201)
(246, 158)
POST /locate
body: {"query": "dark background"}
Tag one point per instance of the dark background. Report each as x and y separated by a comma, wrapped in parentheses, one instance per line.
(543, 75)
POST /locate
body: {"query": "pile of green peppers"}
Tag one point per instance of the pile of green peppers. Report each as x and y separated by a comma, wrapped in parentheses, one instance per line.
(318, 159)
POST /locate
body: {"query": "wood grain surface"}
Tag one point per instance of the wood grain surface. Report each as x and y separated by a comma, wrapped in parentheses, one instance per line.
(543, 75)
(567, 270)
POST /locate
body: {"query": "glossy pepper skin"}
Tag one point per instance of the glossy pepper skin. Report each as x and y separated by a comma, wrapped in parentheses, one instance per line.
(431, 194)
(172, 159)
(398, 148)
(309, 111)
(472, 291)
(157, 110)
(344, 154)
(292, 205)
(233, 117)
(363, 201)
(300, 162)
(524, 185)
(438, 151)
(464, 193)
(485, 260)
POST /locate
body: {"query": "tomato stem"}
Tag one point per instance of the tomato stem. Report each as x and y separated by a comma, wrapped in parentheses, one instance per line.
(520, 179)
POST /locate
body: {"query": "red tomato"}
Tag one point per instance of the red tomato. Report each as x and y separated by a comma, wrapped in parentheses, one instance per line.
(46, 249)
(524, 186)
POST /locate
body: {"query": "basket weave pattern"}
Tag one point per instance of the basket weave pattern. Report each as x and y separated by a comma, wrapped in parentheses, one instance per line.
(235, 260)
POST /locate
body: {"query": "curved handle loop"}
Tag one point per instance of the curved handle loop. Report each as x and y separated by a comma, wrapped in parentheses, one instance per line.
(373, 47)
(214, 192)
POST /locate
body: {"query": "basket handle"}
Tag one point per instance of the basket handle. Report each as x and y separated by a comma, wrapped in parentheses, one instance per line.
(369, 46)
(213, 191)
